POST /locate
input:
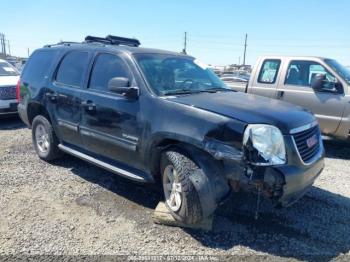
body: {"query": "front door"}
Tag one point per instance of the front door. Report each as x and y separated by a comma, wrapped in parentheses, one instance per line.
(63, 95)
(110, 126)
(327, 106)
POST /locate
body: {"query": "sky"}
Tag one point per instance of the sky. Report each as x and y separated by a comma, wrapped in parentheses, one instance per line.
(216, 29)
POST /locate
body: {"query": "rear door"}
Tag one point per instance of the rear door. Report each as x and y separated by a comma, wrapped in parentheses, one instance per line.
(265, 81)
(328, 106)
(110, 126)
(63, 95)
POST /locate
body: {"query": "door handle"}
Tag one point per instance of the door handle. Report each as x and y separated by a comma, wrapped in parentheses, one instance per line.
(88, 105)
(52, 96)
(280, 94)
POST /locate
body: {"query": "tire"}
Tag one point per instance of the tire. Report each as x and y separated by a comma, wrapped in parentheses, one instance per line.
(44, 139)
(189, 209)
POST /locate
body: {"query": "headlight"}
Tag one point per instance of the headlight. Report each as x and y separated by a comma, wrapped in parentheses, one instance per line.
(265, 145)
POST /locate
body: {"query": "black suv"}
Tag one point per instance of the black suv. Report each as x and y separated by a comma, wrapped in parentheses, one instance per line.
(152, 115)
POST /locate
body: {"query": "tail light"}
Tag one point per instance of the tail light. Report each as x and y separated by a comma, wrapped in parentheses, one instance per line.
(18, 91)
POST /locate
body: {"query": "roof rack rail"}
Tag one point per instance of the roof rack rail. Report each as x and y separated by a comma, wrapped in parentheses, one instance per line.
(113, 40)
(62, 43)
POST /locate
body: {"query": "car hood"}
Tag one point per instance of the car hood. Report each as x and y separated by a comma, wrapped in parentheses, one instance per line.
(8, 80)
(251, 109)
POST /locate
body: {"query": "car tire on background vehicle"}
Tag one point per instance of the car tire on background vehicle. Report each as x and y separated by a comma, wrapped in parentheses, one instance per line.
(181, 197)
(44, 139)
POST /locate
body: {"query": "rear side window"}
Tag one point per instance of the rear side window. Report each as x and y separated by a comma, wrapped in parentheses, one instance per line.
(106, 67)
(269, 71)
(72, 67)
(38, 66)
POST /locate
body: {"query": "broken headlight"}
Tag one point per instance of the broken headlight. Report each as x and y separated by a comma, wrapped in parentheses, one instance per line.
(264, 145)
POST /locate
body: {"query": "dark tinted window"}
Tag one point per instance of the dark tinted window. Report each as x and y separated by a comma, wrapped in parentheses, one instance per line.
(106, 67)
(38, 66)
(269, 71)
(71, 70)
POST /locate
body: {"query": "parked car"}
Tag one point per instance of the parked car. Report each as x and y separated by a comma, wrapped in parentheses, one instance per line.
(152, 115)
(321, 85)
(8, 80)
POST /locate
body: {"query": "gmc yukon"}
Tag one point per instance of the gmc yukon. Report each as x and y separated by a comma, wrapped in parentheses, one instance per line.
(161, 117)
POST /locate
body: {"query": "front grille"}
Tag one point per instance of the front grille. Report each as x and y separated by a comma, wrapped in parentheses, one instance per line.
(7, 92)
(308, 151)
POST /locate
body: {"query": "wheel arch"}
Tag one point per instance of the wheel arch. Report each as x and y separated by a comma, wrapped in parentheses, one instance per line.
(210, 183)
(35, 109)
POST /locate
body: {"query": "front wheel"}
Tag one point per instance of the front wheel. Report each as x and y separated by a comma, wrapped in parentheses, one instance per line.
(44, 139)
(181, 197)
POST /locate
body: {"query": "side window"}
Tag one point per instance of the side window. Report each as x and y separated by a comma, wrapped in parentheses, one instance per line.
(303, 73)
(38, 66)
(269, 71)
(106, 67)
(71, 69)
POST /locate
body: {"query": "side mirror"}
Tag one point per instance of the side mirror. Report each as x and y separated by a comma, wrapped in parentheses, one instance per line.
(320, 83)
(121, 85)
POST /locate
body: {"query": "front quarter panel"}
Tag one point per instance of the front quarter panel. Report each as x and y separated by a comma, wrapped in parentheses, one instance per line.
(186, 124)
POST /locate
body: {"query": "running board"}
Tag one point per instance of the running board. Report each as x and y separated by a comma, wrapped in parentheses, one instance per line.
(116, 170)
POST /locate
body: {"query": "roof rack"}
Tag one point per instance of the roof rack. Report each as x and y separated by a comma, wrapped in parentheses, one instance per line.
(117, 40)
(113, 40)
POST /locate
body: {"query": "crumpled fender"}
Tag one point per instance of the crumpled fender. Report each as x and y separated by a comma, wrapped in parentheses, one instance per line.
(209, 181)
(205, 192)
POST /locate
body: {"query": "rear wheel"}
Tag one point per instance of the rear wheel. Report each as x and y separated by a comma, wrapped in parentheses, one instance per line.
(44, 139)
(181, 197)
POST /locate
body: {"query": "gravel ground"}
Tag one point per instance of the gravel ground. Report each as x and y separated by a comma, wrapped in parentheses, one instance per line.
(73, 208)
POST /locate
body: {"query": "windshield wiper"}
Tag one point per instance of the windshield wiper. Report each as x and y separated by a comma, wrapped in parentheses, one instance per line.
(216, 89)
(191, 91)
(181, 92)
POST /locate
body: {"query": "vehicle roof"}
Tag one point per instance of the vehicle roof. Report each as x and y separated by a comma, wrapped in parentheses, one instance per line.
(293, 57)
(113, 48)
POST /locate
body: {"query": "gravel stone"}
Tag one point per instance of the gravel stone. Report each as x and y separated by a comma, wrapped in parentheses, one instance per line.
(70, 207)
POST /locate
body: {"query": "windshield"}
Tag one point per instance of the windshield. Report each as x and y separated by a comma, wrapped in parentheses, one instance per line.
(7, 70)
(169, 75)
(342, 71)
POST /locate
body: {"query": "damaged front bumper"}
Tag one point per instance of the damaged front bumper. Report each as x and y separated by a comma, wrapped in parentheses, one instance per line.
(298, 181)
(283, 184)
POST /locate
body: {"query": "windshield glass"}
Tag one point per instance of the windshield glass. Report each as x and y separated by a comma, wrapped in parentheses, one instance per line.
(169, 75)
(7, 69)
(342, 71)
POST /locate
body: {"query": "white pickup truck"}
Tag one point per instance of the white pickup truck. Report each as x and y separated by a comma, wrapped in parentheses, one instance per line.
(318, 84)
(8, 80)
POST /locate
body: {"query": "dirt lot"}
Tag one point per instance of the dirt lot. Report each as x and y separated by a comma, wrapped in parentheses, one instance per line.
(71, 207)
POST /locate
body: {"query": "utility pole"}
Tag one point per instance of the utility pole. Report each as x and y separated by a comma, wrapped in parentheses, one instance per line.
(3, 44)
(28, 51)
(245, 48)
(8, 47)
(185, 44)
(239, 60)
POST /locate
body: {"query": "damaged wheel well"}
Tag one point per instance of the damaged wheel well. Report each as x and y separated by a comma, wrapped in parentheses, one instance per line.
(159, 147)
